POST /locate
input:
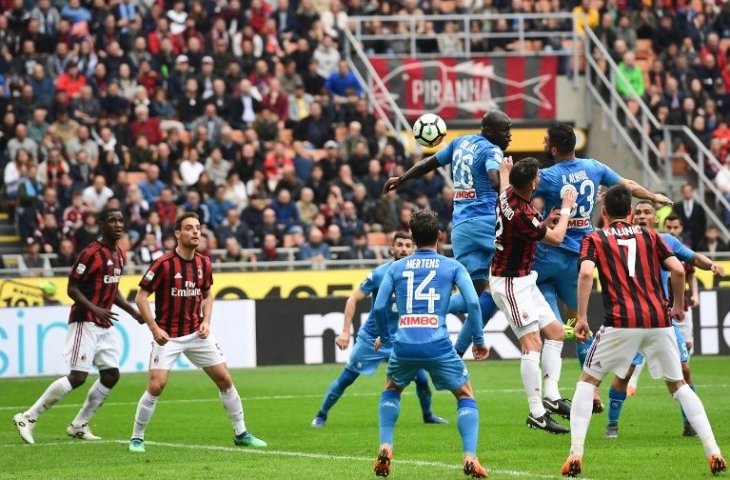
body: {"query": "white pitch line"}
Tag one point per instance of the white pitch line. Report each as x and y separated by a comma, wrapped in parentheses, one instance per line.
(297, 397)
(289, 453)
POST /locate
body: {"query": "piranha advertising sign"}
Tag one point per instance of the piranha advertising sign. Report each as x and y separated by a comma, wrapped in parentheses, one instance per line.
(524, 88)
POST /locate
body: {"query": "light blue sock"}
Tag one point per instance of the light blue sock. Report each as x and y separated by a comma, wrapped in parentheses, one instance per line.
(684, 416)
(615, 403)
(424, 393)
(457, 305)
(335, 391)
(581, 349)
(488, 307)
(388, 411)
(467, 419)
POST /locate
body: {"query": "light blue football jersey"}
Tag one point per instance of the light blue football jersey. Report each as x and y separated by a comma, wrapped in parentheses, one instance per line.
(370, 287)
(683, 253)
(586, 175)
(422, 284)
(471, 156)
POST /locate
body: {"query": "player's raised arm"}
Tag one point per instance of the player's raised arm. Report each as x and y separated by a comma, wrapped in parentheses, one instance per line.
(555, 236)
(503, 174)
(418, 170)
(704, 263)
(637, 191)
(380, 307)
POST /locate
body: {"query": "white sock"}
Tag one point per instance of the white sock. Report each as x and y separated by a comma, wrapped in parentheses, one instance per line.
(634, 380)
(552, 364)
(580, 416)
(692, 406)
(145, 409)
(232, 403)
(94, 399)
(55, 392)
(532, 380)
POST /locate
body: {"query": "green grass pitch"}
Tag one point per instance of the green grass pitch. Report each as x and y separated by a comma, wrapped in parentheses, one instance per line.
(190, 435)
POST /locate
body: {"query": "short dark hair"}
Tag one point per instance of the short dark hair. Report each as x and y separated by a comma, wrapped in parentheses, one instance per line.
(107, 212)
(179, 220)
(424, 227)
(402, 236)
(523, 172)
(645, 202)
(562, 137)
(617, 201)
(673, 217)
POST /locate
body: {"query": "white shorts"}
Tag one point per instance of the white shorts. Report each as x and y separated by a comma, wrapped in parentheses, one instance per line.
(89, 345)
(686, 326)
(202, 352)
(522, 303)
(613, 350)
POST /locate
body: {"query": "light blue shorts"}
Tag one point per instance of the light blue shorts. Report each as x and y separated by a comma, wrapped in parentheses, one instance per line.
(681, 344)
(364, 359)
(473, 246)
(447, 373)
(557, 277)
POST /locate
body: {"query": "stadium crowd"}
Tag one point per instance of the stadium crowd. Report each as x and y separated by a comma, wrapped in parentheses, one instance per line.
(246, 113)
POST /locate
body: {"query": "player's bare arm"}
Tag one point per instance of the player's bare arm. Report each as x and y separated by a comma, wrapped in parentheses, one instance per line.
(704, 263)
(418, 170)
(343, 340)
(504, 168)
(637, 191)
(694, 298)
(585, 285)
(122, 303)
(75, 293)
(207, 306)
(143, 304)
(676, 281)
(555, 236)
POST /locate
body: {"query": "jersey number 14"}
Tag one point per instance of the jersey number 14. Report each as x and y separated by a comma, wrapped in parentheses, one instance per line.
(430, 296)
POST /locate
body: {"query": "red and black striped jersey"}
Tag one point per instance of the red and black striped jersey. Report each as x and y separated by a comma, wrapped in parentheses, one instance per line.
(518, 230)
(97, 272)
(179, 286)
(629, 258)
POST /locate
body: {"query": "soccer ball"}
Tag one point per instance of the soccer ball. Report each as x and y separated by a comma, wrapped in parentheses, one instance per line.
(429, 130)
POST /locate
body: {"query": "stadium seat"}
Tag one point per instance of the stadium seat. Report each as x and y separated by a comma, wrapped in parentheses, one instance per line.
(377, 239)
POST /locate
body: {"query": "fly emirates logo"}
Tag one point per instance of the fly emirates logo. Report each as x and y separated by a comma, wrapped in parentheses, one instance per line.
(190, 290)
(113, 278)
(418, 321)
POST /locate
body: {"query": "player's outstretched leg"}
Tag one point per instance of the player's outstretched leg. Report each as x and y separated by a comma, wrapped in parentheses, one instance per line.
(424, 397)
(334, 392)
(25, 422)
(580, 418)
(457, 306)
(692, 406)
(98, 393)
(388, 412)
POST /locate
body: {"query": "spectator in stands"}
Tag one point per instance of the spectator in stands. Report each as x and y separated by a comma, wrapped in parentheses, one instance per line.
(268, 226)
(151, 187)
(96, 195)
(342, 82)
(190, 167)
(211, 121)
(21, 140)
(193, 204)
(349, 223)
(233, 227)
(233, 252)
(146, 126)
(66, 256)
(38, 126)
(692, 216)
(315, 250)
(449, 43)
(217, 167)
(149, 250)
(86, 109)
(218, 206)
(634, 85)
(360, 249)
(334, 239)
(50, 234)
(87, 233)
(31, 256)
(327, 57)
(84, 142)
(306, 207)
(50, 170)
(165, 207)
(269, 251)
(136, 212)
(287, 214)
(71, 81)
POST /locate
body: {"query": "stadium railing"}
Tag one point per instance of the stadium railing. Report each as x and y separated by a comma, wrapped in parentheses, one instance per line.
(633, 130)
(19, 268)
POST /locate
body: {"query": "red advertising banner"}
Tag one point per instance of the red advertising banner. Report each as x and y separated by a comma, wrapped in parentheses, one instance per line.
(524, 88)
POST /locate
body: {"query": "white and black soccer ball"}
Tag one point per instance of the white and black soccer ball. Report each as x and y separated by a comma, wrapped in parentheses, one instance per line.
(429, 130)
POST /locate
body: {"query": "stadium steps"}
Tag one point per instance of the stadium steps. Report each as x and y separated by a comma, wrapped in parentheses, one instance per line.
(10, 242)
(617, 156)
